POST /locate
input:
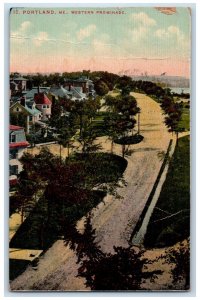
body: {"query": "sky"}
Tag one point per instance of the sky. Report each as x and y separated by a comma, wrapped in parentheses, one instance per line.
(132, 41)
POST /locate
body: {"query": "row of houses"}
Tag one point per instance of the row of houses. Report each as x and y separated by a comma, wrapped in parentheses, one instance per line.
(35, 107)
(81, 87)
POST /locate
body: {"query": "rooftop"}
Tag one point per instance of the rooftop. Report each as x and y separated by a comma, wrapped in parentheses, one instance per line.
(19, 78)
(19, 144)
(41, 98)
(14, 127)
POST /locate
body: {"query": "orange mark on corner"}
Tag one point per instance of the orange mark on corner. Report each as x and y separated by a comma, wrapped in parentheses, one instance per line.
(167, 10)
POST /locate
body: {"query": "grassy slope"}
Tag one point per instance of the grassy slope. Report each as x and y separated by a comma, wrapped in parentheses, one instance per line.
(174, 197)
(185, 119)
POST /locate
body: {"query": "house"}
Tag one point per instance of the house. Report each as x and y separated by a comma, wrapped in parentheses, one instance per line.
(26, 112)
(60, 92)
(18, 83)
(82, 84)
(40, 89)
(43, 103)
(77, 93)
(17, 145)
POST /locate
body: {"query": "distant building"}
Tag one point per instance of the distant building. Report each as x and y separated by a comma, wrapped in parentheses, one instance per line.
(17, 145)
(82, 85)
(59, 92)
(18, 83)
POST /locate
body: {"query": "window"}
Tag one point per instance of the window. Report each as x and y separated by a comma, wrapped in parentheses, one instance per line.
(14, 170)
(47, 106)
(12, 138)
(44, 106)
(13, 154)
(30, 118)
(17, 108)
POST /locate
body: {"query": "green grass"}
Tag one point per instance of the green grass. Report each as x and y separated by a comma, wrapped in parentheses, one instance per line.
(98, 124)
(185, 119)
(105, 167)
(174, 197)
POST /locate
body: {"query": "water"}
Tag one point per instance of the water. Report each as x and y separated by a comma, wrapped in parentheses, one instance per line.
(180, 90)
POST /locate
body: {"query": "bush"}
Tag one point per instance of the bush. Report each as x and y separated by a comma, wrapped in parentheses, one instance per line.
(129, 140)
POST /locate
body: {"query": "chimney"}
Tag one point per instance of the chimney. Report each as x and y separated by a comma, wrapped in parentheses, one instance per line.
(23, 101)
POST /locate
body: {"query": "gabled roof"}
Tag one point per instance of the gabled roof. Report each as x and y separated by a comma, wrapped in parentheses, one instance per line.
(34, 90)
(30, 111)
(59, 91)
(77, 93)
(33, 112)
(41, 98)
(14, 127)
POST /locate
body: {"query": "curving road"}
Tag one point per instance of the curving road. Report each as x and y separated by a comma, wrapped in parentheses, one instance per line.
(114, 220)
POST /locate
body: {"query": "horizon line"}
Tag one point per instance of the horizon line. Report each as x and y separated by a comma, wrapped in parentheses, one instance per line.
(124, 74)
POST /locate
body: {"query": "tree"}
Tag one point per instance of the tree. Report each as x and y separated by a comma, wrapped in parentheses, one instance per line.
(124, 82)
(174, 113)
(65, 132)
(121, 119)
(65, 138)
(123, 270)
(27, 187)
(180, 257)
(87, 139)
(101, 87)
(19, 119)
(110, 124)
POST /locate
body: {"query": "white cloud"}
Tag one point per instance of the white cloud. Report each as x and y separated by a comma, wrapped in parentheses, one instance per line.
(162, 33)
(142, 24)
(101, 45)
(23, 29)
(86, 32)
(24, 26)
(171, 32)
(40, 38)
(139, 33)
(175, 38)
(142, 19)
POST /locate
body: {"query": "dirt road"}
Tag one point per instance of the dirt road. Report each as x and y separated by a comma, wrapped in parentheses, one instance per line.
(114, 220)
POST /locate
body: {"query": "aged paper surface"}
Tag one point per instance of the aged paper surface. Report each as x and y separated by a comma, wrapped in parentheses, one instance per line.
(99, 149)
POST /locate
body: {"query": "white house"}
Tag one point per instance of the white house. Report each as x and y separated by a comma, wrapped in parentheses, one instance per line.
(17, 145)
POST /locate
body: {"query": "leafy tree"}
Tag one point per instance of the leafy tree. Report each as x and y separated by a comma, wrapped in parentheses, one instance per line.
(173, 113)
(101, 87)
(124, 82)
(121, 119)
(26, 192)
(19, 119)
(123, 270)
(65, 130)
(87, 139)
(180, 257)
(65, 138)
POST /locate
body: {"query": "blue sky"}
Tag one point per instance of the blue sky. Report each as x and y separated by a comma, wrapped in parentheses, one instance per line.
(140, 40)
